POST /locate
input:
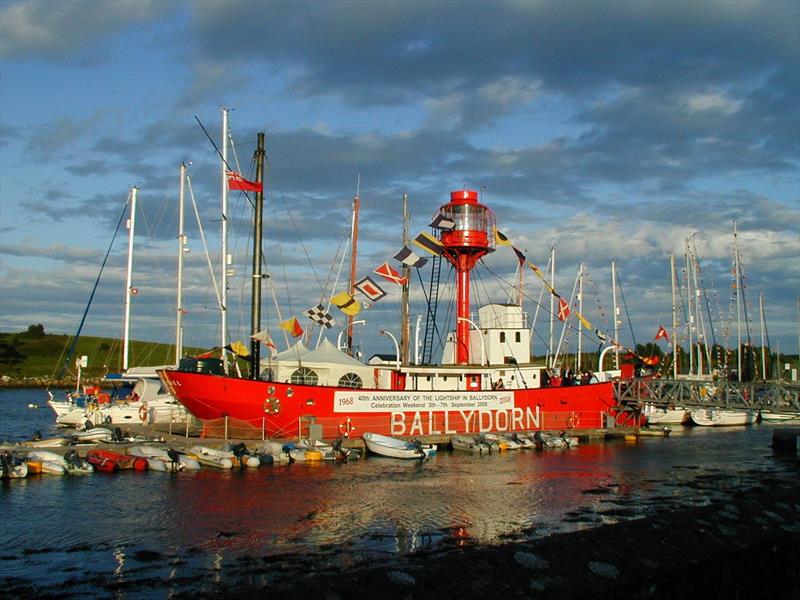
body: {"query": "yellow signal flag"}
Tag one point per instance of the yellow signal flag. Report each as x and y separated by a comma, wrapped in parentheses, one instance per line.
(346, 303)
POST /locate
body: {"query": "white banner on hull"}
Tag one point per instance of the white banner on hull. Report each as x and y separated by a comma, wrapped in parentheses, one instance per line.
(392, 401)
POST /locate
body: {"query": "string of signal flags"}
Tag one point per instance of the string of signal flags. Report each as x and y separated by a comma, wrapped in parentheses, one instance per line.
(373, 292)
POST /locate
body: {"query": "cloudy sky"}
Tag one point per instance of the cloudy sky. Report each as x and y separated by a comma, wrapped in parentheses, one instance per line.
(610, 130)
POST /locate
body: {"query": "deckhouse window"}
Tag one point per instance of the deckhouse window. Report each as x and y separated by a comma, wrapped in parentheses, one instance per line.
(502, 337)
(350, 380)
(304, 376)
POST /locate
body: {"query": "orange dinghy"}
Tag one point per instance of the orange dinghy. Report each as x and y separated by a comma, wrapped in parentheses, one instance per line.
(110, 461)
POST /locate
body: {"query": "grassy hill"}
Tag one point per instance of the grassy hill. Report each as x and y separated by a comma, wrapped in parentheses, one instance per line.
(36, 355)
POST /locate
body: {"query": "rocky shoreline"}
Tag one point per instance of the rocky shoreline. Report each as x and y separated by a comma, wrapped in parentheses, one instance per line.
(745, 547)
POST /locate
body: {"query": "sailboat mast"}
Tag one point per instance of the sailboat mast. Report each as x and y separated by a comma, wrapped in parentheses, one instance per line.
(223, 304)
(738, 286)
(698, 314)
(404, 318)
(690, 310)
(674, 318)
(353, 256)
(258, 226)
(763, 337)
(128, 281)
(615, 311)
(181, 250)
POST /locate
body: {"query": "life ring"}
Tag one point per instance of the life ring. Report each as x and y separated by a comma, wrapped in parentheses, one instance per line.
(143, 413)
(272, 405)
(345, 428)
(574, 421)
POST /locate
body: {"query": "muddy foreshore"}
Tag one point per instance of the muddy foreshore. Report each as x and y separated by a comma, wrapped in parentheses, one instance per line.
(746, 545)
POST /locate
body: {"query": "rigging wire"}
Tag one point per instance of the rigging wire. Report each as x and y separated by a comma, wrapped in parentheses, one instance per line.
(64, 366)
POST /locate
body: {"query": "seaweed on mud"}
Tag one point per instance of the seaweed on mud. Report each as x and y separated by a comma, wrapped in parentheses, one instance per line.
(147, 555)
(597, 491)
(31, 551)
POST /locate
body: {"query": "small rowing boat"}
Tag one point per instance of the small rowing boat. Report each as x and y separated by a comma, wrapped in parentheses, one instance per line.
(467, 443)
(211, 457)
(390, 447)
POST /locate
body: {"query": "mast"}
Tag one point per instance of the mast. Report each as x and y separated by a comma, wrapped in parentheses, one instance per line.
(404, 319)
(674, 318)
(181, 251)
(129, 290)
(550, 356)
(763, 341)
(616, 312)
(690, 311)
(698, 314)
(580, 310)
(255, 307)
(223, 305)
(738, 286)
(353, 255)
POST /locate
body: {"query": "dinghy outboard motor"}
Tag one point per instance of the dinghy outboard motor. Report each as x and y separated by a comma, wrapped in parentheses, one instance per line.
(37, 435)
(173, 454)
(417, 445)
(87, 425)
(73, 459)
(6, 464)
(116, 434)
(239, 450)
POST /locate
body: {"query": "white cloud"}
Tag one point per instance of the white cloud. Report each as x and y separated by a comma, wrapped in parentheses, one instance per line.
(712, 102)
(50, 29)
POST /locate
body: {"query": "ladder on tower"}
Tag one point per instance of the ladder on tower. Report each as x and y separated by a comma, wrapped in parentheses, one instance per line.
(430, 317)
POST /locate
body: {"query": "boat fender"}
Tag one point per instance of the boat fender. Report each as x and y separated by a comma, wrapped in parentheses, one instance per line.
(143, 413)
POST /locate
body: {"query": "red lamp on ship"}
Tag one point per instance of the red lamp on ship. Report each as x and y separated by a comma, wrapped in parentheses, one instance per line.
(463, 245)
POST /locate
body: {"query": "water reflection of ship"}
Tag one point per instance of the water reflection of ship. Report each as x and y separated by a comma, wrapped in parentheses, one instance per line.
(465, 499)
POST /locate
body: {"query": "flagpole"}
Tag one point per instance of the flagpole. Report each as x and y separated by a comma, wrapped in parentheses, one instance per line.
(223, 308)
(353, 255)
(181, 250)
(255, 309)
(404, 319)
(128, 281)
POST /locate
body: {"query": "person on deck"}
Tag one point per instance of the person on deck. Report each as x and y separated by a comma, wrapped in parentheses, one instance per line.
(545, 378)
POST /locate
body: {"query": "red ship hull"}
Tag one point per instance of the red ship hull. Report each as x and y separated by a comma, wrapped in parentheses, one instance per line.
(260, 409)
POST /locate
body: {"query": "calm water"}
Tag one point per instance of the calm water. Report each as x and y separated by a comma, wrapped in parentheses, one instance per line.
(104, 531)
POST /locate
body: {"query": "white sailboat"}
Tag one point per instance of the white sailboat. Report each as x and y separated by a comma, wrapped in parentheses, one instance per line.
(715, 417)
